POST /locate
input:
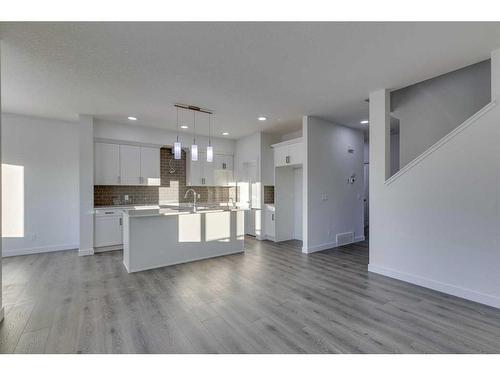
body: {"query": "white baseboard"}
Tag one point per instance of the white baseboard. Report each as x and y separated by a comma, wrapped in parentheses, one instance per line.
(37, 250)
(315, 248)
(486, 299)
(1, 313)
(328, 245)
(85, 252)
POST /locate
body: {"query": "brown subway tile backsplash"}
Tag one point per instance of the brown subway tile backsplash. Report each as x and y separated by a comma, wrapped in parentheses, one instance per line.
(268, 194)
(171, 190)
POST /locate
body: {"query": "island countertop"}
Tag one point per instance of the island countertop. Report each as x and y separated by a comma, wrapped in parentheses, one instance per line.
(166, 236)
(174, 211)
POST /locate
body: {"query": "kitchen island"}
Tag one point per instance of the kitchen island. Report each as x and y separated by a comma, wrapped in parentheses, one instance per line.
(163, 237)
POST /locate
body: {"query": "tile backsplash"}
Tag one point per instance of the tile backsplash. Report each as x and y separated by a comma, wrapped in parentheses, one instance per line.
(268, 194)
(171, 190)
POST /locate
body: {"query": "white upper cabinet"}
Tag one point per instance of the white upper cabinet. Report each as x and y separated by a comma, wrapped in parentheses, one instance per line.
(194, 170)
(280, 156)
(116, 164)
(288, 153)
(208, 171)
(296, 154)
(107, 164)
(223, 162)
(202, 173)
(150, 166)
(130, 165)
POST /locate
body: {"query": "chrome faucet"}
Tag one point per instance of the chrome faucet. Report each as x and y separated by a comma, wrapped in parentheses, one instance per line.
(194, 197)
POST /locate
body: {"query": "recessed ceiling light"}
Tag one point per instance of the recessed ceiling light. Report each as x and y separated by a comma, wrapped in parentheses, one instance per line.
(365, 122)
(225, 133)
(184, 126)
(262, 118)
(132, 118)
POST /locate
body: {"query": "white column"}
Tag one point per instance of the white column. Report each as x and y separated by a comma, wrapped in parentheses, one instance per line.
(379, 161)
(305, 187)
(86, 184)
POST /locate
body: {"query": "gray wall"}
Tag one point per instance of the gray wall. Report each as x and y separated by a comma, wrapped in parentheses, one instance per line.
(431, 109)
(332, 206)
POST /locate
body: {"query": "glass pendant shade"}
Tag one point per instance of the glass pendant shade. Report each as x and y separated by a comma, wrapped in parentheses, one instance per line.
(210, 154)
(194, 152)
(177, 150)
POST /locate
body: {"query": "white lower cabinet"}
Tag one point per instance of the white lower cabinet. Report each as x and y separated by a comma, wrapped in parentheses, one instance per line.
(250, 222)
(108, 230)
(269, 223)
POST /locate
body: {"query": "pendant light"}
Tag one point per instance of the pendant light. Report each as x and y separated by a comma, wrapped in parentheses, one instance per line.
(177, 144)
(194, 146)
(210, 149)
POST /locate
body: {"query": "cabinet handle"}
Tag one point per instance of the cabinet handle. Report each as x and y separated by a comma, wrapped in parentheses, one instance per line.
(119, 179)
(121, 221)
(272, 217)
(223, 165)
(287, 159)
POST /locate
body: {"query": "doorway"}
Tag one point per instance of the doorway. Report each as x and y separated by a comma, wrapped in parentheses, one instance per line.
(288, 203)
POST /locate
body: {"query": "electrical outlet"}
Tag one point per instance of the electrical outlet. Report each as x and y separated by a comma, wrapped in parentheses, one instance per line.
(125, 197)
(324, 197)
(199, 196)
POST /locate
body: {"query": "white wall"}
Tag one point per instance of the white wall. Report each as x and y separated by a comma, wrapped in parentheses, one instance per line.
(331, 205)
(156, 136)
(297, 211)
(48, 151)
(267, 157)
(437, 224)
(291, 135)
(431, 109)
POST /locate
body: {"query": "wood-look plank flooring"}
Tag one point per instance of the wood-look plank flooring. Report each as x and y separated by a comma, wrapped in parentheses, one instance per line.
(271, 299)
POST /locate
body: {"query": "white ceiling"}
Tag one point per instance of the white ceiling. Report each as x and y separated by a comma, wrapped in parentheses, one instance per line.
(239, 70)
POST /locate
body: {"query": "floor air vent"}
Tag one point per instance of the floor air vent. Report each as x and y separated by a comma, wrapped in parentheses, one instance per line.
(345, 238)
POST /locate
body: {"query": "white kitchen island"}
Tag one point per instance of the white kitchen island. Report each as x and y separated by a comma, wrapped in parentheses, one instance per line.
(163, 237)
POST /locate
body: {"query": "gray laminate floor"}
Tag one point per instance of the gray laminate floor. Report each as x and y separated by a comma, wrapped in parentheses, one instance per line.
(272, 299)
